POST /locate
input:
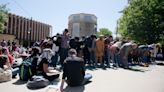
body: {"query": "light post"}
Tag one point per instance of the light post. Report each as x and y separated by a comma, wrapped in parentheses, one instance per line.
(29, 32)
(117, 29)
(95, 28)
(29, 37)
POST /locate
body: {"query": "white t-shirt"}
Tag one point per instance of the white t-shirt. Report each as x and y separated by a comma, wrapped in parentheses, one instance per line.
(55, 48)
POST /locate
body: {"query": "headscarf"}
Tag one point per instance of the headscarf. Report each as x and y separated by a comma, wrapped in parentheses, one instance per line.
(47, 53)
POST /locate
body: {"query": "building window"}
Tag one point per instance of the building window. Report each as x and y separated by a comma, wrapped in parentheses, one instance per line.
(76, 18)
(88, 18)
(13, 26)
(9, 28)
(88, 25)
(24, 28)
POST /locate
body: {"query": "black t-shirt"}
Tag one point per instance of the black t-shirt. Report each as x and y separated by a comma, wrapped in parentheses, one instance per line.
(34, 64)
(3, 61)
(40, 66)
(74, 71)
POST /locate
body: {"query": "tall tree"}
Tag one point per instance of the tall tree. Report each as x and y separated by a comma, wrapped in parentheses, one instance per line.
(104, 31)
(142, 20)
(3, 17)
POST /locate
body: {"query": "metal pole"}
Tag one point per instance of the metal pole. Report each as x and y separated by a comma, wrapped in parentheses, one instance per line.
(117, 29)
(30, 31)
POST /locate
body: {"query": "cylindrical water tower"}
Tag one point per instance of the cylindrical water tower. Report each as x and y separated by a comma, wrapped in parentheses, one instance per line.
(82, 24)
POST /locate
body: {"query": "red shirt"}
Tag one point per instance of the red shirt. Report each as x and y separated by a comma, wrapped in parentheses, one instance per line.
(10, 59)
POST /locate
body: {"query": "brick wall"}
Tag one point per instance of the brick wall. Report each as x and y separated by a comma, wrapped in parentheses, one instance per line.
(7, 37)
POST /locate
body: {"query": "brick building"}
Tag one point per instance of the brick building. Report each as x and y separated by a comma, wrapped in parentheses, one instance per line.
(26, 31)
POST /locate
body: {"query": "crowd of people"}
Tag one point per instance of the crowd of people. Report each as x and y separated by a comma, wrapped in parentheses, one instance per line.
(73, 54)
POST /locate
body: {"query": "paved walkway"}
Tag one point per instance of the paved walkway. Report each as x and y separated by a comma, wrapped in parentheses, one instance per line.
(140, 79)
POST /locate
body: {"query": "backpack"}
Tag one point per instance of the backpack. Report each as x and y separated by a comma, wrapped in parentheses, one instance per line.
(37, 82)
(26, 69)
(5, 75)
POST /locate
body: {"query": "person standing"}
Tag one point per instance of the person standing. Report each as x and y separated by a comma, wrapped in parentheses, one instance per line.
(64, 46)
(92, 50)
(107, 52)
(100, 50)
(55, 49)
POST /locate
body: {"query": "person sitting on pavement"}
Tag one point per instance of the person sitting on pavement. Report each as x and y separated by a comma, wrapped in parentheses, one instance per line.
(5, 51)
(43, 64)
(74, 71)
(15, 53)
(5, 69)
(4, 62)
(15, 70)
(35, 56)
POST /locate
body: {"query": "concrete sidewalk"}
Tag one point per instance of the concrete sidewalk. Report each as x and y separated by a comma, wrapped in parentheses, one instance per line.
(140, 79)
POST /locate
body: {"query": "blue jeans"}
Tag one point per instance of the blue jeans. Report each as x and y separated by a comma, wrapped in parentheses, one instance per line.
(63, 55)
(106, 57)
(87, 77)
(54, 60)
(116, 59)
(145, 59)
(15, 71)
(93, 57)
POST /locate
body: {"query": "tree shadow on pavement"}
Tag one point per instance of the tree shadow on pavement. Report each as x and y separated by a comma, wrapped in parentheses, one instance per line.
(19, 82)
(67, 89)
(90, 68)
(137, 69)
(74, 89)
(160, 64)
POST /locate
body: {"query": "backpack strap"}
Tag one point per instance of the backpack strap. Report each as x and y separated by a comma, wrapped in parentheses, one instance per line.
(21, 76)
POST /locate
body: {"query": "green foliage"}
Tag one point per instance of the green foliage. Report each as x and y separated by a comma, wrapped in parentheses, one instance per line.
(104, 31)
(142, 20)
(162, 40)
(3, 17)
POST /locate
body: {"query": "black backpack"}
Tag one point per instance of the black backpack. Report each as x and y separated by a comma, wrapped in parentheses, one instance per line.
(37, 82)
(26, 69)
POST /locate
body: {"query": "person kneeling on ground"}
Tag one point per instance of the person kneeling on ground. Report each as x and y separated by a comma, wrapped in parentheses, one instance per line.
(43, 65)
(74, 71)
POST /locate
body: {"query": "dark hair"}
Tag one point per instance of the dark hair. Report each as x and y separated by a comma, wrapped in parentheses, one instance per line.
(57, 34)
(76, 38)
(3, 50)
(83, 37)
(111, 36)
(48, 45)
(72, 52)
(66, 30)
(3, 60)
(36, 50)
(93, 36)
(47, 37)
